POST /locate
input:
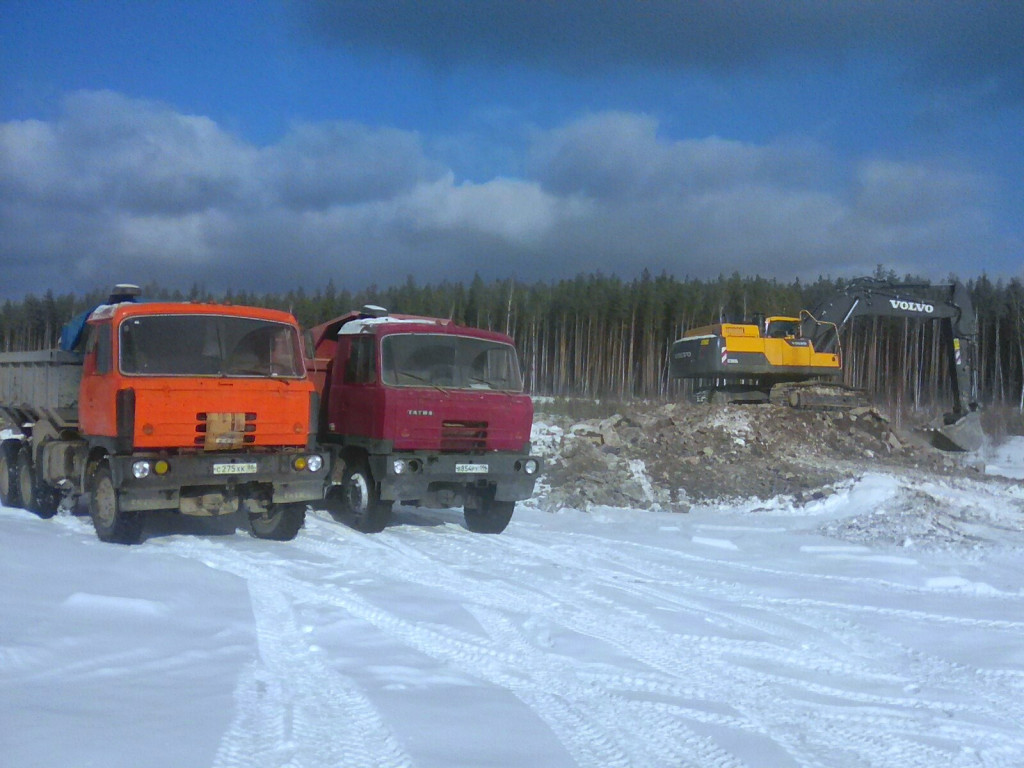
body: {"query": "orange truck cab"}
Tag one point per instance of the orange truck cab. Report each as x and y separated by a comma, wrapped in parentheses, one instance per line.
(200, 408)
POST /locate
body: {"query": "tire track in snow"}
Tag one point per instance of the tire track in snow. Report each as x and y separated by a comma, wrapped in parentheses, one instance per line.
(643, 554)
(831, 652)
(567, 710)
(655, 738)
(899, 743)
(1002, 689)
(690, 683)
(1001, 706)
(465, 652)
(292, 709)
(594, 616)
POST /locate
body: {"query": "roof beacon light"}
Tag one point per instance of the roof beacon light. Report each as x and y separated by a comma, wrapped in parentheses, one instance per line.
(124, 292)
(372, 310)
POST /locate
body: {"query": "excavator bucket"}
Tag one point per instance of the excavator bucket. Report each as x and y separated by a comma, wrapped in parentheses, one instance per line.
(963, 434)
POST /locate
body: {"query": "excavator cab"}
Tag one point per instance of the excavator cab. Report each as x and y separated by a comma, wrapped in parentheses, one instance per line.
(782, 327)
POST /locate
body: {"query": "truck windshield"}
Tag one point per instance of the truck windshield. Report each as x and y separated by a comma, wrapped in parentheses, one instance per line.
(451, 362)
(208, 345)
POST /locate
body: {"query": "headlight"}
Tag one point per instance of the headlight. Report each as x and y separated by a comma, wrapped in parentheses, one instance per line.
(141, 469)
(531, 466)
(399, 466)
(314, 463)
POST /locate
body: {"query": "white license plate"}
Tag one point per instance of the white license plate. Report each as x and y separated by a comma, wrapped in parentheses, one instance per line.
(471, 469)
(235, 469)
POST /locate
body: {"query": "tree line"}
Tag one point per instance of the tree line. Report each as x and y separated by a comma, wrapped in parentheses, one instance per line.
(600, 336)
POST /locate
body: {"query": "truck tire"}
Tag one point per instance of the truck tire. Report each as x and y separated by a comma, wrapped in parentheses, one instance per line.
(357, 503)
(34, 496)
(9, 495)
(490, 517)
(280, 523)
(112, 524)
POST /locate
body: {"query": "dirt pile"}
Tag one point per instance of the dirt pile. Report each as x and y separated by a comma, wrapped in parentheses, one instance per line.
(670, 456)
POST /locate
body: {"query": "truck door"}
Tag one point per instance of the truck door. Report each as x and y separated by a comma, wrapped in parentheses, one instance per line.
(354, 391)
(96, 407)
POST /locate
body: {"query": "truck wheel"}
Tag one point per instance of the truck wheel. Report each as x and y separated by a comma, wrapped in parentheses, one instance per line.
(490, 517)
(34, 496)
(9, 495)
(356, 501)
(280, 523)
(111, 523)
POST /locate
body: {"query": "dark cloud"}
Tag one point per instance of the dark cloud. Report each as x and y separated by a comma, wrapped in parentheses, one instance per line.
(576, 35)
(120, 189)
(948, 42)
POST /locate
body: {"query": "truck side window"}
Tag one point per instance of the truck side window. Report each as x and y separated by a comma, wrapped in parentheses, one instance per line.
(104, 348)
(361, 368)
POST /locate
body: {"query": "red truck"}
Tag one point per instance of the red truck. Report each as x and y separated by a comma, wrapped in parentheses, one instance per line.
(422, 411)
(204, 409)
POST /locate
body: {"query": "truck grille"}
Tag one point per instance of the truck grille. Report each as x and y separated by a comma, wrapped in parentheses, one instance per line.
(224, 431)
(463, 435)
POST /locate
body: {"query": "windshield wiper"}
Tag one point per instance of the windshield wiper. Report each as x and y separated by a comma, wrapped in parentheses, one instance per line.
(493, 386)
(425, 380)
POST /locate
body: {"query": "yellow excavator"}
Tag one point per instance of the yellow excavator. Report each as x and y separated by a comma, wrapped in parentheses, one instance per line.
(798, 360)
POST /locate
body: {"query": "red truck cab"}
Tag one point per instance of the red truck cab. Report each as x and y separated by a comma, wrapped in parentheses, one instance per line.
(423, 411)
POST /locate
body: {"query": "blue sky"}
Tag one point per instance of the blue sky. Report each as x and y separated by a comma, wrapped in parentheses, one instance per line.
(271, 145)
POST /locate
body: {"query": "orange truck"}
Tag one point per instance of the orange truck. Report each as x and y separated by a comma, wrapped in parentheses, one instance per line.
(203, 409)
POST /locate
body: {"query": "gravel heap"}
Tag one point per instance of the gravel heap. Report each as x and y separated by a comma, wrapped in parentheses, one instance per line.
(672, 455)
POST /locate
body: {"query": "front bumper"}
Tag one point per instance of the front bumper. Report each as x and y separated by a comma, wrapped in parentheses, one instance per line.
(194, 481)
(428, 473)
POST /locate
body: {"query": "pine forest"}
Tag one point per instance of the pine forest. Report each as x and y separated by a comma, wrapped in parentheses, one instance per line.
(602, 337)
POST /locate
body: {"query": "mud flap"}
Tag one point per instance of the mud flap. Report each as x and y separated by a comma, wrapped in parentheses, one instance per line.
(964, 434)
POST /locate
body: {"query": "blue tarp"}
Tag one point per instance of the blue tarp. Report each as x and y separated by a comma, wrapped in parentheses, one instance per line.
(71, 333)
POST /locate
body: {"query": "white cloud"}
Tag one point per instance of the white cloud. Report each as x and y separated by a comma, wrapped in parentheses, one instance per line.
(620, 156)
(317, 166)
(511, 209)
(117, 188)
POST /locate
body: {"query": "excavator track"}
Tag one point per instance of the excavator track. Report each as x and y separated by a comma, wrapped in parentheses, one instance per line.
(817, 395)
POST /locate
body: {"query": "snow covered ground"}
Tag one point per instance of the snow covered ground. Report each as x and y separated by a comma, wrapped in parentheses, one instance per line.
(1006, 459)
(881, 625)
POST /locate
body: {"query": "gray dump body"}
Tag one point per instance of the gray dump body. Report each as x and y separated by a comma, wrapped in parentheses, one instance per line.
(34, 384)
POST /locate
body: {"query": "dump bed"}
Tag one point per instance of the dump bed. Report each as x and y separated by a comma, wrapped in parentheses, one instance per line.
(34, 383)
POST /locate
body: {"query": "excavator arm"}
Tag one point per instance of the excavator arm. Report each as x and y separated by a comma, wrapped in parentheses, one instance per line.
(951, 304)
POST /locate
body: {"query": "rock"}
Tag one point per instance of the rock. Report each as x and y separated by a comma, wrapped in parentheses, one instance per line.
(586, 432)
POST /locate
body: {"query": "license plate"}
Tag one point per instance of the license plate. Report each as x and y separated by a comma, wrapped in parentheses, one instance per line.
(471, 469)
(246, 468)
